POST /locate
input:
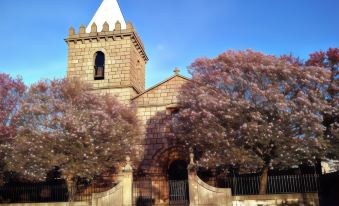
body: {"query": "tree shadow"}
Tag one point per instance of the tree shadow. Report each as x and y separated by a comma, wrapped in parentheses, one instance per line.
(158, 147)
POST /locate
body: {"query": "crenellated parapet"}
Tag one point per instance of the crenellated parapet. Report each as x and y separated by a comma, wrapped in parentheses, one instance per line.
(116, 33)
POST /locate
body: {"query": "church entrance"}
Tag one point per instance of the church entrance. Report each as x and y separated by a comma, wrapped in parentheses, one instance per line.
(178, 183)
(170, 189)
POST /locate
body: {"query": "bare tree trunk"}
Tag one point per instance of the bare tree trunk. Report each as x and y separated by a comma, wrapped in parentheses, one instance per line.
(71, 187)
(2, 174)
(263, 180)
(2, 177)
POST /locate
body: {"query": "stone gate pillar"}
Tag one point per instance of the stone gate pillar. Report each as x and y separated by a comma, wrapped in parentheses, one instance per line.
(127, 183)
(201, 193)
(121, 194)
(192, 186)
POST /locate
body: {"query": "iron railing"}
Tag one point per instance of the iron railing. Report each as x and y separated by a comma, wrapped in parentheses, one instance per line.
(147, 191)
(178, 192)
(42, 192)
(160, 192)
(281, 184)
(33, 193)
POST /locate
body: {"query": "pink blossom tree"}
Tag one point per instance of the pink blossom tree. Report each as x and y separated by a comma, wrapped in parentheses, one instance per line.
(11, 93)
(63, 124)
(329, 60)
(253, 111)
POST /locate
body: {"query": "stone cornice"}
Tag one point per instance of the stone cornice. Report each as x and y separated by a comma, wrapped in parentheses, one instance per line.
(116, 87)
(167, 105)
(124, 33)
(160, 83)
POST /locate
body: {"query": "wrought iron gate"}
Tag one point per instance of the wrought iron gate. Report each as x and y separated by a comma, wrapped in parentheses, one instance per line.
(178, 192)
(160, 192)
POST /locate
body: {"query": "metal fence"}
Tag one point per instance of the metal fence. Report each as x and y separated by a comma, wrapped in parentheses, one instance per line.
(178, 192)
(147, 191)
(33, 193)
(160, 192)
(42, 192)
(250, 185)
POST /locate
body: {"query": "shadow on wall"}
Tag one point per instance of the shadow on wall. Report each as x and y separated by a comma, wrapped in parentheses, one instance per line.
(159, 153)
(161, 162)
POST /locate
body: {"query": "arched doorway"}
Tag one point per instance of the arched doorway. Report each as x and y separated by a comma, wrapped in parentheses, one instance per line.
(164, 182)
(178, 170)
(178, 183)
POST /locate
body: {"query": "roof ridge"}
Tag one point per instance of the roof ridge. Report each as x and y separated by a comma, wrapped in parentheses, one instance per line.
(160, 83)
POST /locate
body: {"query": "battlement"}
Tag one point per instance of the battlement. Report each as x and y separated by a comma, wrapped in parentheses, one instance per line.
(112, 60)
(116, 34)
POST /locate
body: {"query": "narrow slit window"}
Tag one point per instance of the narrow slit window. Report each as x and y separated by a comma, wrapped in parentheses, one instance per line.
(99, 66)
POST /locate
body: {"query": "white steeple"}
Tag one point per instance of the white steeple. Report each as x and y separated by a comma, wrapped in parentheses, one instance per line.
(109, 11)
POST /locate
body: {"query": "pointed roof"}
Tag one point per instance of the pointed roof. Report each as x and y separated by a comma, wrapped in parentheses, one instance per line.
(109, 11)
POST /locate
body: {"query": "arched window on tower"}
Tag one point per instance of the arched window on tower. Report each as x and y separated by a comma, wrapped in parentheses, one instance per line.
(99, 66)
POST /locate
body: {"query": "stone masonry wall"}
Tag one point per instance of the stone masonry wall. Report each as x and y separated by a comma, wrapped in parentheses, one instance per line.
(122, 94)
(154, 109)
(50, 204)
(137, 71)
(125, 59)
(165, 93)
(296, 199)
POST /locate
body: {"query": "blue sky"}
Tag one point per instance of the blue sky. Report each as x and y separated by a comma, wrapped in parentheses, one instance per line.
(175, 32)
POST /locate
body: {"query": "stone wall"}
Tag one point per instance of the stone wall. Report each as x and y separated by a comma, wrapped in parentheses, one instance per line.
(50, 204)
(309, 199)
(120, 195)
(137, 69)
(201, 193)
(154, 110)
(162, 94)
(125, 59)
(123, 94)
(204, 194)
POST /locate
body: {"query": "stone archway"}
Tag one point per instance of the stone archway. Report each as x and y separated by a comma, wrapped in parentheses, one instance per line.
(178, 183)
(162, 160)
(177, 170)
(164, 180)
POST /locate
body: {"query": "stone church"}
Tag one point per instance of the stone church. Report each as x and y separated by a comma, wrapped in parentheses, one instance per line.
(110, 56)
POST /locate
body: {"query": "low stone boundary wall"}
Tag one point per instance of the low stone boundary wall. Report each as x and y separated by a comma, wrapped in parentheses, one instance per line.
(110, 197)
(307, 199)
(50, 204)
(120, 195)
(201, 193)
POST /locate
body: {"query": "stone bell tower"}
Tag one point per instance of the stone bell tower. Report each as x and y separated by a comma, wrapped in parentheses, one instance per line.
(108, 54)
